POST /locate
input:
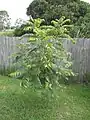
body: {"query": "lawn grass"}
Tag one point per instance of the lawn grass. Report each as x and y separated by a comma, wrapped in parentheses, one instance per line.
(16, 103)
(8, 33)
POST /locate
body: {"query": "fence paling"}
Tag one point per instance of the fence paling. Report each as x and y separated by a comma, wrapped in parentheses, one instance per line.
(80, 53)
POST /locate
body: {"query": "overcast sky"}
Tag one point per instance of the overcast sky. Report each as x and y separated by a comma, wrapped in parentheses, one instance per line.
(17, 8)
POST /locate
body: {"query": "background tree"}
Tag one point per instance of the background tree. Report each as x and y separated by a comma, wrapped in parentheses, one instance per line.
(19, 22)
(4, 20)
(75, 10)
(20, 28)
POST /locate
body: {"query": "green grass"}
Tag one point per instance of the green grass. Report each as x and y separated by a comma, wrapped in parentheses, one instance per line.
(8, 33)
(16, 103)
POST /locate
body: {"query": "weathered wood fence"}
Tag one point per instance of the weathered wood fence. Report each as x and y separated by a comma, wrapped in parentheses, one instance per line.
(8, 47)
(80, 56)
(80, 53)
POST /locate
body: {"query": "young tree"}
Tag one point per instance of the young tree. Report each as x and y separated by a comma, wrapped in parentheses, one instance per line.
(43, 60)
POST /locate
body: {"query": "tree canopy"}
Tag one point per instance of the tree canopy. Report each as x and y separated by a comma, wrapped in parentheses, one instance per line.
(4, 20)
(75, 10)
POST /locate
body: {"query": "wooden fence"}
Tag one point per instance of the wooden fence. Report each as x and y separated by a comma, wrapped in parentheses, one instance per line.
(8, 47)
(80, 53)
(80, 56)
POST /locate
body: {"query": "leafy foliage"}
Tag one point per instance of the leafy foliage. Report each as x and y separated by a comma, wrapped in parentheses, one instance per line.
(19, 30)
(75, 10)
(43, 60)
(4, 20)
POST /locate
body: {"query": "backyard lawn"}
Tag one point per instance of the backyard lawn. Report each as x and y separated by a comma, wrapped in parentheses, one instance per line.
(71, 103)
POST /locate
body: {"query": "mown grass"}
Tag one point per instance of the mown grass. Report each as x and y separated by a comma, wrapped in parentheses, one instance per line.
(71, 103)
(8, 33)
